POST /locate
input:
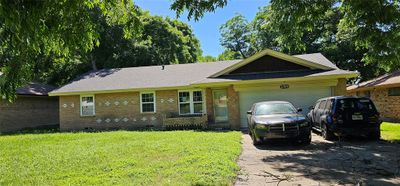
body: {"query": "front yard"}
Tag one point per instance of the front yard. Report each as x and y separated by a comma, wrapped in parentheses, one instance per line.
(120, 158)
(390, 131)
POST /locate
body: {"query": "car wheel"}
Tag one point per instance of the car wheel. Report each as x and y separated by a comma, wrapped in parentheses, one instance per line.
(256, 141)
(326, 133)
(305, 140)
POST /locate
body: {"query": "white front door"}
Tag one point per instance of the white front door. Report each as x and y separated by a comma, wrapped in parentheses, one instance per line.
(299, 97)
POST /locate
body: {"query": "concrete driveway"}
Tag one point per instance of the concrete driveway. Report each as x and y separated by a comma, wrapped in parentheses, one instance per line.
(350, 162)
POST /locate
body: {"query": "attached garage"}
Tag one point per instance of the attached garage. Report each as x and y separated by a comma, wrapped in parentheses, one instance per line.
(299, 97)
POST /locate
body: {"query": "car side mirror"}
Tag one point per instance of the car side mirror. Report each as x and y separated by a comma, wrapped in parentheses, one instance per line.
(249, 112)
(299, 109)
(311, 108)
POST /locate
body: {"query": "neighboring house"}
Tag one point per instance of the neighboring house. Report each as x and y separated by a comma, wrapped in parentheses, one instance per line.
(32, 109)
(384, 91)
(217, 93)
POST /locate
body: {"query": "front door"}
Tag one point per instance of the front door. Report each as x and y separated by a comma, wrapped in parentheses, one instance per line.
(220, 106)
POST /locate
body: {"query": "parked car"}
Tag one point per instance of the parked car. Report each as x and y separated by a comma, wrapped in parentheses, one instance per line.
(277, 120)
(345, 115)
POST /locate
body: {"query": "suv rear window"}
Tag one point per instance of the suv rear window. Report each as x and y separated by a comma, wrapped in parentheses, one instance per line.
(355, 104)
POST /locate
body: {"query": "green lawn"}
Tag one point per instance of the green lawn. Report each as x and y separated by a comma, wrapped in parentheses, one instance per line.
(120, 158)
(390, 131)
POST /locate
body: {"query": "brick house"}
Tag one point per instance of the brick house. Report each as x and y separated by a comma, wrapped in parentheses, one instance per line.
(215, 94)
(32, 109)
(384, 91)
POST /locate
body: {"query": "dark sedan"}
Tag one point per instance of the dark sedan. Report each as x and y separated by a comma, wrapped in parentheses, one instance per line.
(277, 120)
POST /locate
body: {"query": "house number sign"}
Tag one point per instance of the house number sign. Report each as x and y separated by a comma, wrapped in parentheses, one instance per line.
(284, 86)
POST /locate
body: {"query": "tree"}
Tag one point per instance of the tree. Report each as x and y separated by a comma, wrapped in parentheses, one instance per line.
(229, 55)
(368, 30)
(207, 59)
(236, 36)
(52, 28)
(160, 41)
(64, 31)
(195, 8)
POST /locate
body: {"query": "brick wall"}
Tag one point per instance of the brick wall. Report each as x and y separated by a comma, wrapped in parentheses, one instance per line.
(28, 112)
(388, 106)
(116, 111)
(233, 108)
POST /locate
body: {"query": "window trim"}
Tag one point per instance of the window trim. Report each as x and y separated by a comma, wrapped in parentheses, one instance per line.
(94, 104)
(191, 102)
(154, 101)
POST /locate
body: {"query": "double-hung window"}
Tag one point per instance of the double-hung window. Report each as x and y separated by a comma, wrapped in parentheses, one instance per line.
(191, 102)
(87, 106)
(147, 102)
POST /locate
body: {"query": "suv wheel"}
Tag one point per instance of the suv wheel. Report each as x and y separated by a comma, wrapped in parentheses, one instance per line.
(326, 133)
(376, 135)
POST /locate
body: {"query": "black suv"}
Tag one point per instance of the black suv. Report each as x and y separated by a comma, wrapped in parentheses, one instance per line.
(343, 115)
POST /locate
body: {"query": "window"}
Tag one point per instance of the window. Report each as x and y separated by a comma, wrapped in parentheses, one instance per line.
(394, 91)
(328, 104)
(364, 93)
(147, 102)
(87, 106)
(322, 105)
(190, 102)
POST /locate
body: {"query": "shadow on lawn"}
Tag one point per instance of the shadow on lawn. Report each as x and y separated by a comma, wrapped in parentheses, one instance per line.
(352, 161)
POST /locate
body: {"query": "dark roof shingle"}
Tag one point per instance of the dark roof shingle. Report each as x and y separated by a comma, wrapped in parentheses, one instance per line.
(35, 89)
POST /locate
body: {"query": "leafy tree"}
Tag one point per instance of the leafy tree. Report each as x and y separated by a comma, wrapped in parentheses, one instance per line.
(368, 30)
(229, 55)
(59, 29)
(207, 59)
(196, 8)
(160, 41)
(236, 36)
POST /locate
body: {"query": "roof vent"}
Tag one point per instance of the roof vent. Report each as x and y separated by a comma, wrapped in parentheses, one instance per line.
(162, 67)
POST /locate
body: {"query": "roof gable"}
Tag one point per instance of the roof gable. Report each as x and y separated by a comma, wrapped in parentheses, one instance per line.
(267, 52)
(268, 63)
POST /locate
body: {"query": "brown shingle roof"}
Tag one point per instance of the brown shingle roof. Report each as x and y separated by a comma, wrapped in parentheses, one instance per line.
(317, 58)
(385, 80)
(179, 75)
(144, 77)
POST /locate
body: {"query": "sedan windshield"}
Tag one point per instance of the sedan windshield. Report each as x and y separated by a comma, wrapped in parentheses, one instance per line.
(275, 108)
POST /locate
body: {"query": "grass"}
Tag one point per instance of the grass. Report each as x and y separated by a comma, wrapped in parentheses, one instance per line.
(390, 131)
(120, 158)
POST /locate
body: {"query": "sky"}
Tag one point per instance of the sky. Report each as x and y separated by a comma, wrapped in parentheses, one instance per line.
(207, 28)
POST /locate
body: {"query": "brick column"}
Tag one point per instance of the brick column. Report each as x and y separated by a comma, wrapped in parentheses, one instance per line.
(233, 108)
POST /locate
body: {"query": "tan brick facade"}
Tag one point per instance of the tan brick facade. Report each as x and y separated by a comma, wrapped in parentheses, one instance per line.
(116, 111)
(388, 106)
(122, 110)
(28, 112)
